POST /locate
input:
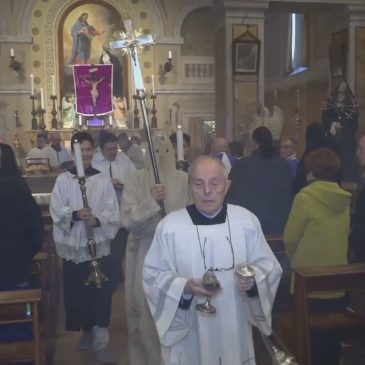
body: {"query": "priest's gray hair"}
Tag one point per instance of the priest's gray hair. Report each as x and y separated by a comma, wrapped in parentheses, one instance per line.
(202, 160)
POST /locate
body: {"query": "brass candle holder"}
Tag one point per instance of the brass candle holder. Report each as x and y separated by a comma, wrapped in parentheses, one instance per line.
(54, 122)
(34, 121)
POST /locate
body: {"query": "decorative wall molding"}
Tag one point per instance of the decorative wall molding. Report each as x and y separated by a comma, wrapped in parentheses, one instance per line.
(186, 91)
(16, 39)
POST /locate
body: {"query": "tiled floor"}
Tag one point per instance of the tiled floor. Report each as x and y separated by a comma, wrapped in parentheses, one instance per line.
(66, 353)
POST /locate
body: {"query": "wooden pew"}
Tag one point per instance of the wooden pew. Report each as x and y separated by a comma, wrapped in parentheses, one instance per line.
(294, 328)
(13, 310)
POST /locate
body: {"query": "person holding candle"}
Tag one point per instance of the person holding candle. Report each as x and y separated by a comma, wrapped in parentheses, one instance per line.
(87, 308)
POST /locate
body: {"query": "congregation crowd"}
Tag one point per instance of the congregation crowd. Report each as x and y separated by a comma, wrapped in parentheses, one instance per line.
(218, 214)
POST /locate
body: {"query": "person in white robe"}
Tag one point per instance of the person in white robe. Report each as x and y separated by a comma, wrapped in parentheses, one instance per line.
(209, 235)
(117, 166)
(87, 307)
(56, 153)
(36, 152)
(140, 214)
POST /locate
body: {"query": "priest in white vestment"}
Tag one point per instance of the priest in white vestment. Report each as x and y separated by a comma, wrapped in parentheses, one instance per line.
(140, 213)
(86, 307)
(209, 235)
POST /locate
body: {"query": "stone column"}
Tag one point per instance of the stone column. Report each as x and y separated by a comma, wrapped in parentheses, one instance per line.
(235, 92)
(356, 55)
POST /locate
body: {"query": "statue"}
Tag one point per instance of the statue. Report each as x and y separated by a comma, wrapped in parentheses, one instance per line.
(339, 116)
(120, 111)
(68, 111)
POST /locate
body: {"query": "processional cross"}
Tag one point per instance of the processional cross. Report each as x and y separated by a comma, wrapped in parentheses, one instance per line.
(131, 44)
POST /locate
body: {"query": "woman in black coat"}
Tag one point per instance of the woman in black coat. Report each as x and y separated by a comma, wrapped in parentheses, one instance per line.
(21, 225)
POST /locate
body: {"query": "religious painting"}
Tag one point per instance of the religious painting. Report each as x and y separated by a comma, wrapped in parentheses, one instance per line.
(338, 55)
(246, 54)
(84, 31)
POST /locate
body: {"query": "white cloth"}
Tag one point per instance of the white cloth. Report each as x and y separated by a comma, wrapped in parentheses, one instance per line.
(56, 158)
(35, 153)
(120, 168)
(140, 214)
(71, 241)
(189, 336)
(136, 155)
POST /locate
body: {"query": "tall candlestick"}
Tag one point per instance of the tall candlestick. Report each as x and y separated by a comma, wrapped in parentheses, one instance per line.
(42, 99)
(31, 84)
(179, 143)
(53, 85)
(80, 120)
(78, 160)
(153, 84)
(110, 120)
(12, 53)
(169, 55)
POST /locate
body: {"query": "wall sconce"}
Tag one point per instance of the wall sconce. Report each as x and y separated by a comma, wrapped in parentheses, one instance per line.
(14, 64)
(168, 65)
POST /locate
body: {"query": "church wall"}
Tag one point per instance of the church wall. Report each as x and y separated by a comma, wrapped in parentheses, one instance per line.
(313, 84)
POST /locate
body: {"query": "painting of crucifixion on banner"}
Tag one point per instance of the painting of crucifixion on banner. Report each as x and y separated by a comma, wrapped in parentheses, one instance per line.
(84, 31)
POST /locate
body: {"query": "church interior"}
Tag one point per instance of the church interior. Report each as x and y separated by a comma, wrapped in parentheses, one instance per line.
(215, 68)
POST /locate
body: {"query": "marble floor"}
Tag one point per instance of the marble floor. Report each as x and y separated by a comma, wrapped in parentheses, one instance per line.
(66, 353)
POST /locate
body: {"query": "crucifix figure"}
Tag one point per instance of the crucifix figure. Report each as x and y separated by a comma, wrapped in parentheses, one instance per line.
(131, 43)
(93, 90)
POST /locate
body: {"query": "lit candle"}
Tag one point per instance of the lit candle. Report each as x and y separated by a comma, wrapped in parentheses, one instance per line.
(110, 120)
(153, 84)
(53, 85)
(170, 55)
(80, 120)
(32, 84)
(12, 53)
(78, 160)
(179, 143)
(42, 99)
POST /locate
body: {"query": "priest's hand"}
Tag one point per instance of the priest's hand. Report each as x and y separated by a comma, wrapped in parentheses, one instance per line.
(158, 192)
(195, 286)
(245, 284)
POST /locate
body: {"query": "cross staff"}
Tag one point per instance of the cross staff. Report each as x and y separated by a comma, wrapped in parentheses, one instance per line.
(132, 43)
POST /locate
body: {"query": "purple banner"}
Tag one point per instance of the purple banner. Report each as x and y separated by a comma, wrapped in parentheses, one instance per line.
(93, 87)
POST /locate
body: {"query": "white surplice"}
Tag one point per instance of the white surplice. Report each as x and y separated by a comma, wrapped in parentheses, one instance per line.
(56, 158)
(71, 239)
(191, 337)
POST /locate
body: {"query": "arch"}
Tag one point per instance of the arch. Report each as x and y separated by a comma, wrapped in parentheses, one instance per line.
(53, 20)
(185, 11)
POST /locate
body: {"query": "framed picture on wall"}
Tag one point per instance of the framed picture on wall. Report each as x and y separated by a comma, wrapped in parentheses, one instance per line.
(84, 30)
(338, 55)
(246, 56)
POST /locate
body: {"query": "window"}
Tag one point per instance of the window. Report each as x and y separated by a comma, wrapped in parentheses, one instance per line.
(297, 44)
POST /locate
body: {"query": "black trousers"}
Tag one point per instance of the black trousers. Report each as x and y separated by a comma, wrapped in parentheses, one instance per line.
(117, 252)
(86, 306)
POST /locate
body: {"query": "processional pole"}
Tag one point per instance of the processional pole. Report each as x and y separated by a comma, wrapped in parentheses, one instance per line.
(132, 44)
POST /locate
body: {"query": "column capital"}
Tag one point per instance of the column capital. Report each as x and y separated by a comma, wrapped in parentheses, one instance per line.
(239, 9)
(356, 12)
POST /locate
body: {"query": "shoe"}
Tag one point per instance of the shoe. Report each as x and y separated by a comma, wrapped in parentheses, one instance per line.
(105, 355)
(86, 341)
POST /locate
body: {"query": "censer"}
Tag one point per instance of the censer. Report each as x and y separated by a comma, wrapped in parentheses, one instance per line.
(278, 357)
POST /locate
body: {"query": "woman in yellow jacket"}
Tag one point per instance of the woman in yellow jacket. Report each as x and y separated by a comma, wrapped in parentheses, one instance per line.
(316, 234)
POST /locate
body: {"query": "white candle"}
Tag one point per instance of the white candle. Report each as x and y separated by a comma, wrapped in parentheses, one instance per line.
(153, 84)
(110, 120)
(169, 54)
(42, 99)
(12, 53)
(78, 160)
(53, 85)
(32, 84)
(180, 143)
(80, 120)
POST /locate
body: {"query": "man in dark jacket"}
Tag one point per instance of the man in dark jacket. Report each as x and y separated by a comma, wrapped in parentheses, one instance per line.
(357, 235)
